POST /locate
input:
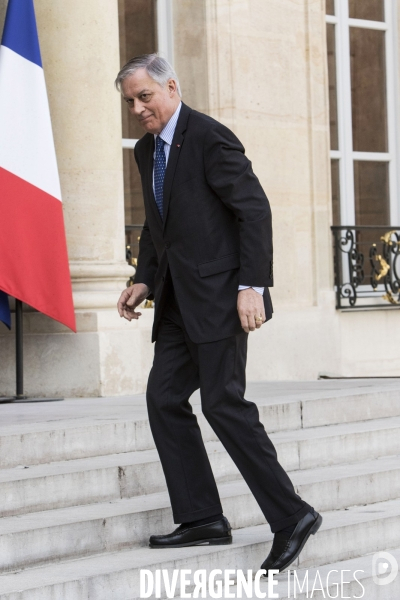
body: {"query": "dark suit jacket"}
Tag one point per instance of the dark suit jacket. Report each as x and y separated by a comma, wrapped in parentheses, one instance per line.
(216, 231)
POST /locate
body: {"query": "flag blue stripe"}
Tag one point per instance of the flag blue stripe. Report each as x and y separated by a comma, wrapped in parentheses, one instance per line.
(5, 315)
(20, 32)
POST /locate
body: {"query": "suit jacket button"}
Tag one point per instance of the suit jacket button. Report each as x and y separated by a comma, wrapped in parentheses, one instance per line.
(168, 244)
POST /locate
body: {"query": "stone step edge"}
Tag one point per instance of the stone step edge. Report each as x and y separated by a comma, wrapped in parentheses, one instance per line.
(151, 502)
(144, 557)
(81, 422)
(138, 457)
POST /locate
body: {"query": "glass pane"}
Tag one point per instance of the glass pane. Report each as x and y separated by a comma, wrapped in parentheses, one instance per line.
(137, 35)
(133, 198)
(368, 89)
(330, 7)
(335, 192)
(132, 237)
(333, 119)
(371, 10)
(371, 189)
(134, 209)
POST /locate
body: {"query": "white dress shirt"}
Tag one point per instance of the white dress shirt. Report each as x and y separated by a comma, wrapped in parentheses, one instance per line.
(167, 135)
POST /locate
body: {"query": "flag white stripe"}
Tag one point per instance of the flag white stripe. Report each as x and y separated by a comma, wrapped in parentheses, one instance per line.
(26, 138)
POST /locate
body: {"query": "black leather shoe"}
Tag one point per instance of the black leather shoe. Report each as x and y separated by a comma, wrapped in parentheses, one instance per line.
(284, 551)
(212, 534)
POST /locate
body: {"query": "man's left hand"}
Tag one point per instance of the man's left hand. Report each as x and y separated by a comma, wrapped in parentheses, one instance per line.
(251, 311)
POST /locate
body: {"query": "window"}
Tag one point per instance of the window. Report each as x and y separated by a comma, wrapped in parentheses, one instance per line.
(145, 26)
(362, 71)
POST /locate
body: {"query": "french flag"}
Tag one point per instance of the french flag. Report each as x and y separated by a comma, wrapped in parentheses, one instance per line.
(33, 252)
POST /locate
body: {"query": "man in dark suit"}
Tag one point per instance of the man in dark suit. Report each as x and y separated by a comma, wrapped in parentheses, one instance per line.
(205, 255)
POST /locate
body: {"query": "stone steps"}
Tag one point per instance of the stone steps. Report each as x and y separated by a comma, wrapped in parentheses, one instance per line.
(336, 444)
(101, 426)
(344, 535)
(65, 533)
(110, 477)
(82, 489)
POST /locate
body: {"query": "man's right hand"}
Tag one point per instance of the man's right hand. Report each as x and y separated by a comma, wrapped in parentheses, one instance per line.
(130, 299)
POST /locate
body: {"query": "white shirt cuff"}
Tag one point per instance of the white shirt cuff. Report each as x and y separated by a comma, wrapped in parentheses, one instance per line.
(259, 290)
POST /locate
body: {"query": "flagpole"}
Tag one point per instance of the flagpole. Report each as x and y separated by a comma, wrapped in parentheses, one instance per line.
(19, 350)
(19, 362)
(19, 358)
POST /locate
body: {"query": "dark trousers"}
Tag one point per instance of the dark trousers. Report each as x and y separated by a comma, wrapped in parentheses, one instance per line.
(180, 367)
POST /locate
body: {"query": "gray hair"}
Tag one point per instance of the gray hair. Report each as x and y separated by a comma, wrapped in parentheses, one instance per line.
(157, 67)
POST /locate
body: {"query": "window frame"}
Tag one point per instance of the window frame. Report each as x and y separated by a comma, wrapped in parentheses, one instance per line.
(345, 154)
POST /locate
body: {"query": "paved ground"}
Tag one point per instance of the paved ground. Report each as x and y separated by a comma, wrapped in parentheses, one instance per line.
(30, 416)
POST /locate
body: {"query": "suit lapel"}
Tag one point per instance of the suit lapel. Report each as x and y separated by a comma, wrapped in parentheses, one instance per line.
(174, 153)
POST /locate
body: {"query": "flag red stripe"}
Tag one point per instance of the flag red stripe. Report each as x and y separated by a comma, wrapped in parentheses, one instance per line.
(33, 253)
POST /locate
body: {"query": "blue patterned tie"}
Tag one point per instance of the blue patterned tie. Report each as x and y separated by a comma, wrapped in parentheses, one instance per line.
(159, 173)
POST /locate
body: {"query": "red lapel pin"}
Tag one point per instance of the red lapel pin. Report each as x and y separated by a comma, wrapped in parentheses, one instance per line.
(178, 145)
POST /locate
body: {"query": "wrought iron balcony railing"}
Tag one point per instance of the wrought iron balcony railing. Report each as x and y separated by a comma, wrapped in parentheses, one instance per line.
(367, 266)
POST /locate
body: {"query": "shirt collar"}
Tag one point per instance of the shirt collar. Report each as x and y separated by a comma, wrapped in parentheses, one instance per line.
(167, 134)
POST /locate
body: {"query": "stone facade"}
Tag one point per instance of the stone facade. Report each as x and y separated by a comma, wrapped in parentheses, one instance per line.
(260, 67)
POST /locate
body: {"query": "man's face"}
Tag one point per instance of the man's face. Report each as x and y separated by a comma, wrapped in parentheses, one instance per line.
(152, 105)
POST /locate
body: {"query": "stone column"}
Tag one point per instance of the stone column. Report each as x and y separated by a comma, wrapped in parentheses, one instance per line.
(80, 51)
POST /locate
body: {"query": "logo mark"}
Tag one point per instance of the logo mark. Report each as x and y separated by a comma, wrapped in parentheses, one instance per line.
(384, 568)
